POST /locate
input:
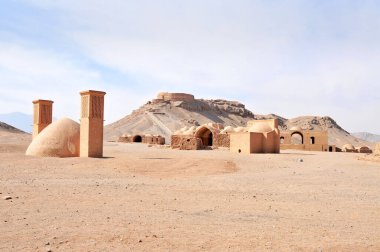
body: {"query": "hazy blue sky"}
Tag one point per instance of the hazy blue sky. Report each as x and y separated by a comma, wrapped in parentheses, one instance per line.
(310, 57)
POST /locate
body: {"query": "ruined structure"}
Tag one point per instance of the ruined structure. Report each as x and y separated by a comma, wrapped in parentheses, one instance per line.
(91, 123)
(42, 115)
(165, 96)
(59, 139)
(201, 137)
(349, 148)
(140, 138)
(308, 140)
(363, 149)
(260, 136)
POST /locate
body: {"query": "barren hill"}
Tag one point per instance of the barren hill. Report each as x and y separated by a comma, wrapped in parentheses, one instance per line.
(8, 128)
(164, 117)
(12, 139)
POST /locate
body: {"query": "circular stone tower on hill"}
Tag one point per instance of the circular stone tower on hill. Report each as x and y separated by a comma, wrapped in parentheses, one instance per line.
(165, 96)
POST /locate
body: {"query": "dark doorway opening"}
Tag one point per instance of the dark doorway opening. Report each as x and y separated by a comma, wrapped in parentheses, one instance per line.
(312, 140)
(206, 136)
(137, 139)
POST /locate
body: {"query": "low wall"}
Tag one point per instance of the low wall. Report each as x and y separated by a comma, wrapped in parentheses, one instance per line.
(184, 142)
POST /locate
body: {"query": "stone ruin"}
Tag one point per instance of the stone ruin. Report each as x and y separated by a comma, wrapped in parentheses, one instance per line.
(352, 149)
(206, 136)
(140, 138)
(260, 136)
(363, 149)
(165, 96)
(66, 138)
(310, 140)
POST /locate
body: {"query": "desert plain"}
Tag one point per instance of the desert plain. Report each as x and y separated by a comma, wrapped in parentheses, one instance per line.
(141, 198)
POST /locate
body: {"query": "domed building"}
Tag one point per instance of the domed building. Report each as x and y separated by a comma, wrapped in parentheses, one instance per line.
(260, 136)
(60, 139)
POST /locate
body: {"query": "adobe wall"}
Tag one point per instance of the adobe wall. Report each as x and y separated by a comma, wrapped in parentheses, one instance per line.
(257, 143)
(146, 139)
(271, 142)
(240, 143)
(222, 140)
(174, 97)
(183, 142)
(364, 150)
(320, 140)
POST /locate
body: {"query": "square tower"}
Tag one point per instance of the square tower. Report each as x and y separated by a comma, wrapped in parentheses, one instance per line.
(42, 115)
(91, 123)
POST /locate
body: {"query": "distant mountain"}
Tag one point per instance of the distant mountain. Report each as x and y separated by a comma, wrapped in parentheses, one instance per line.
(4, 127)
(367, 136)
(19, 120)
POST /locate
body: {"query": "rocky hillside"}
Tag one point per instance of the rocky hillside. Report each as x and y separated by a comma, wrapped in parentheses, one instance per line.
(337, 135)
(164, 117)
(373, 138)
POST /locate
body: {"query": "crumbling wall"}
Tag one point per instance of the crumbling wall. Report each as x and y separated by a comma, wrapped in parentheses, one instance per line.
(146, 139)
(364, 149)
(125, 139)
(222, 140)
(183, 142)
(174, 97)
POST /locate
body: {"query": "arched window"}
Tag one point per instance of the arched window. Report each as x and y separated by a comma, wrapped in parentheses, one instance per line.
(297, 138)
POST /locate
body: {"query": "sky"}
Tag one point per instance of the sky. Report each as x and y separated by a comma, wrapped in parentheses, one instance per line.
(288, 57)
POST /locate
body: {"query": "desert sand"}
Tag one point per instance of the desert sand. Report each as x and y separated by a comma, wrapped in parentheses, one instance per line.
(141, 198)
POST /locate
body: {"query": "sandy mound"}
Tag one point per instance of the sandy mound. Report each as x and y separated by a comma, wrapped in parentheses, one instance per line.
(59, 139)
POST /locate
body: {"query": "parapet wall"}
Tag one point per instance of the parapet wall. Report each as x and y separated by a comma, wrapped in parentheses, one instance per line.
(175, 97)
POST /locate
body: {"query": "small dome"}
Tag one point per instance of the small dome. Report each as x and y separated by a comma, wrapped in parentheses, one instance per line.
(295, 128)
(260, 127)
(59, 139)
(227, 129)
(348, 147)
(240, 129)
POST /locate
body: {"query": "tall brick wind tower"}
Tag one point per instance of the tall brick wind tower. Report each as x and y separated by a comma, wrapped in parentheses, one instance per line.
(42, 115)
(91, 123)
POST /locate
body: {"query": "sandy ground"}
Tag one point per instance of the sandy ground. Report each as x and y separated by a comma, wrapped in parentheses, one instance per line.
(151, 199)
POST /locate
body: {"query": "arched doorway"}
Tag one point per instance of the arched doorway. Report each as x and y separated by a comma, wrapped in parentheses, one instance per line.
(297, 138)
(282, 140)
(137, 139)
(206, 136)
